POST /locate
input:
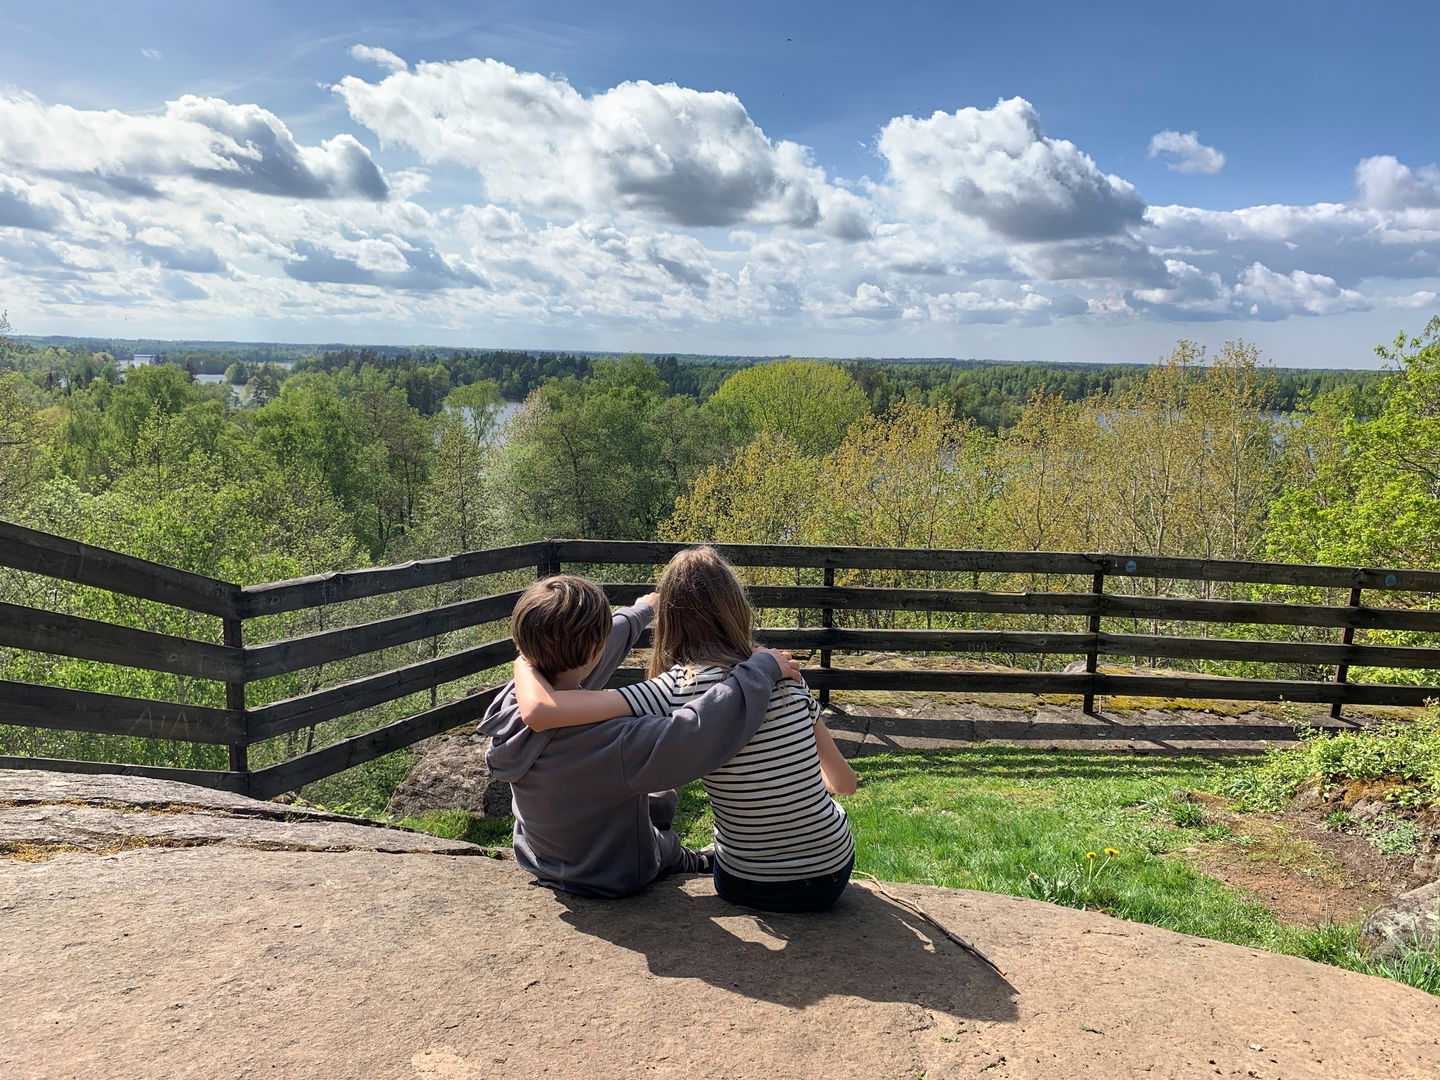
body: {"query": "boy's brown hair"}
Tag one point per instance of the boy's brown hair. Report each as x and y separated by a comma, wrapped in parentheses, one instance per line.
(558, 623)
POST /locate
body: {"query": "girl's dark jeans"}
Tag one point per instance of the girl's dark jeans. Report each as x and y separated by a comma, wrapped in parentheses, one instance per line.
(804, 894)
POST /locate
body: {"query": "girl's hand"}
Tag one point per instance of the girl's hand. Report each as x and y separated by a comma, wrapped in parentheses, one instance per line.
(652, 599)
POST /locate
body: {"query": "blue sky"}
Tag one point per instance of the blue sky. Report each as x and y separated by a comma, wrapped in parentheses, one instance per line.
(835, 179)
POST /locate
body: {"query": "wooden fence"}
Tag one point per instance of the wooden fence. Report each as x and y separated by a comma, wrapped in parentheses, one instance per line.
(236, 664)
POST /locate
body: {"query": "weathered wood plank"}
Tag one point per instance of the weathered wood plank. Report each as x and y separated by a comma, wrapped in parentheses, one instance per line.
(297, 772)
(989, 682)
(912, 641)
(641, 552)
(340, 585)
(1200, 686)
(1110, 606)
(1272, 652)
(1037, 562)
(309, 650)
(224, 781)
(1240, 612)
(855, 598)
(297, 712)
(85, 564)
(1031, 641)
(1048, 682)
(1263, 573)
(90, 639)
(32, 705)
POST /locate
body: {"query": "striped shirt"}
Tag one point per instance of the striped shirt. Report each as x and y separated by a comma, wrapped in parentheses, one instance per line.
(774, 819)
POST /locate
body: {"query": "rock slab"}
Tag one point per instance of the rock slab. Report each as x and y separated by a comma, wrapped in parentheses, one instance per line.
(449, 773)
(1412, 919)
(43, 813)
(219, 961)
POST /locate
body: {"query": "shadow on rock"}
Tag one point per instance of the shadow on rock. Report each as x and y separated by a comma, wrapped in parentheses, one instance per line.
(865, 947)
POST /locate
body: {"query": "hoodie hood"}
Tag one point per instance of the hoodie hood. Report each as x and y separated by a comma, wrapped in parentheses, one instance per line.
(513, 746)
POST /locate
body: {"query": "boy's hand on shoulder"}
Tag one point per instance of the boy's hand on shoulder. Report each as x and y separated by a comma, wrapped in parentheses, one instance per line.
(651, 600)
(789, 669)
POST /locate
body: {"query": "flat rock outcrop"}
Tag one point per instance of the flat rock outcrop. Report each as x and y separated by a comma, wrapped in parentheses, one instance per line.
(1411, 920)
(450, 773)
(226, 961)
(43, 813)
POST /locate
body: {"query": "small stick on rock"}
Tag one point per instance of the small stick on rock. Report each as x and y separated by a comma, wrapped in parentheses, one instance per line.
(918, 910)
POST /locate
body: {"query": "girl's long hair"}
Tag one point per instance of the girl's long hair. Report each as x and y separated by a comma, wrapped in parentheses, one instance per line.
(703, 616)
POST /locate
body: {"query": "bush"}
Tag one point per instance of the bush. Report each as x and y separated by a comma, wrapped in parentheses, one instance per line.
(1407, 753)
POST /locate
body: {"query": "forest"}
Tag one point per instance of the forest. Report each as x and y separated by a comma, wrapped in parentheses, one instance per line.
(360, 457)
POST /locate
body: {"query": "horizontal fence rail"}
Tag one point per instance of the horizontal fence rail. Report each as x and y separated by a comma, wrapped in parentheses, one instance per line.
(85, 564)
(282, 596)
(237, 665)
(948, 560)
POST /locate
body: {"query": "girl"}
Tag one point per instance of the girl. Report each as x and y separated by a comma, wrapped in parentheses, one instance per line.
(781, 842)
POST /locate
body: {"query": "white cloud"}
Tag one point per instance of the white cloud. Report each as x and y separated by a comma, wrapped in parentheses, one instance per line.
(1274, 296)
(26, 206)
(662, 152)
(594, 212)
(1385, 184)
(152, 54)
(1257, 292)
(383, 57)
(1348, 243)
(999, 167)
(205, 139)
(1185, 153)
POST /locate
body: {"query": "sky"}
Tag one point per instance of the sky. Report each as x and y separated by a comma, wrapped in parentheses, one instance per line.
(1030, 182)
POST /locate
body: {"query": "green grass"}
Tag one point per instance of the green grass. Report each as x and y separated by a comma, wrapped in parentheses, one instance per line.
(463, 825)
(1022, 821)
(1340, 945)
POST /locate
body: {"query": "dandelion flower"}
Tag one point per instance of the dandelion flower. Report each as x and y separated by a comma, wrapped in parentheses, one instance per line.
(1089, 854)
(1111, 851)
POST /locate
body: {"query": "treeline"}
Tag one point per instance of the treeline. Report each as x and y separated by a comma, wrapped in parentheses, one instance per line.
(992, 394)
(610, 446)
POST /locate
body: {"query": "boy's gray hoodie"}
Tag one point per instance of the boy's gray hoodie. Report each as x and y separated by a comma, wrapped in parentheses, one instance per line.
(581, 794)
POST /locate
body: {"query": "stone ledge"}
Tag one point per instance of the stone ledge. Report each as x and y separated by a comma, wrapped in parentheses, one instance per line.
(219, 961)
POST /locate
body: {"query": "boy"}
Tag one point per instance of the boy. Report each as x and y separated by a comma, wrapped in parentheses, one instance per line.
(585, 821)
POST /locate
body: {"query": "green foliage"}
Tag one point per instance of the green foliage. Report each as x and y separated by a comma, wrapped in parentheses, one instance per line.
(363, 791)
(1405, 752)
(603, 457)
(1341, 945)
(1393, 836)
(1365, 489)
(361, 437)
(1418, 966)
(810, 403)
(1187, 815)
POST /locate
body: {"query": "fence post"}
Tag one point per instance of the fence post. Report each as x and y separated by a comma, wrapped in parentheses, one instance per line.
(1342, 671)
(548, 566)
(233, 635)
(827, 621)
(1092, 658)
